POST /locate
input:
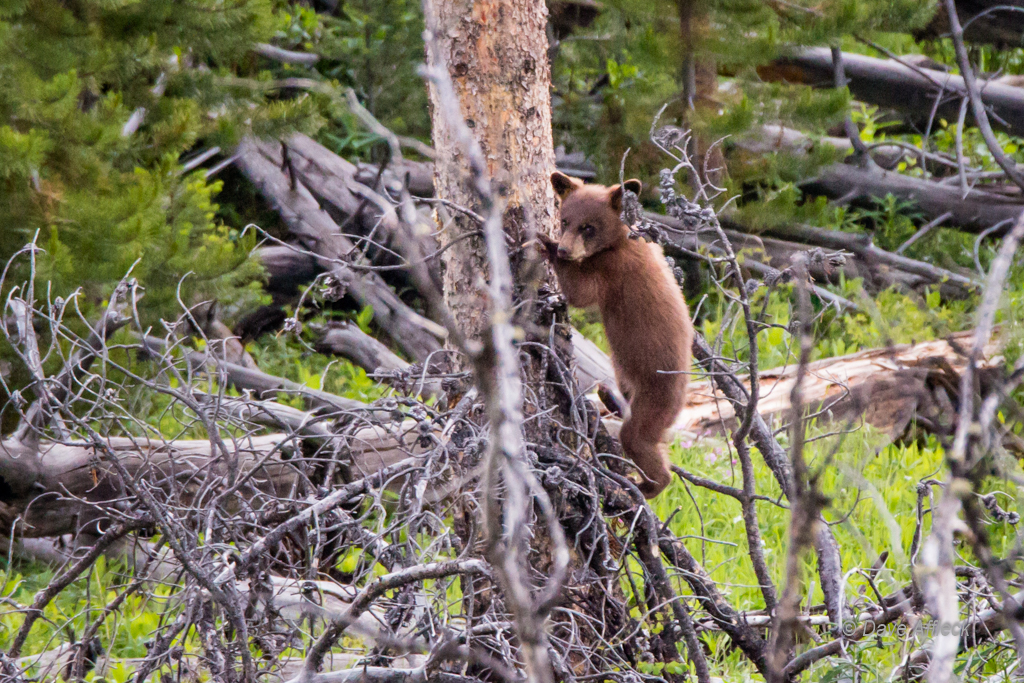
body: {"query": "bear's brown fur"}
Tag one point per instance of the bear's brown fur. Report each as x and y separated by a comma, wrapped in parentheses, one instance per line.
(642, 308)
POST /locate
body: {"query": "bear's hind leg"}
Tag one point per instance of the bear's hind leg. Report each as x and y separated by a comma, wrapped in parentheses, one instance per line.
(641, 441)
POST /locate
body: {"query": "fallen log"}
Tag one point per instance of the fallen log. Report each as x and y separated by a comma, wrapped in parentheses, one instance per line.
(339, 667)
(350, 342)
(288, 268)
(878, 267)
(883, 267)
(332, 176)
(261, 384)
(261, 164)
(773, 138)
(336, 184)
(378, 191)
(992, 22)
(63, 488)
(418, 176)
(278, 54)
(888, 388)
(204, 322)
(754, 255)
(595, 374)
(976, 212)
(909, 89)
(52, 490)
(291, 599)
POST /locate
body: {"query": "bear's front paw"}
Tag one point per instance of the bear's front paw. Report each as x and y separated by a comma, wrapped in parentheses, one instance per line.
(546, 245)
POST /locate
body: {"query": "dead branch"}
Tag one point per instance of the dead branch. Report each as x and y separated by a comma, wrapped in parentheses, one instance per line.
(307, 221)
(286, 56)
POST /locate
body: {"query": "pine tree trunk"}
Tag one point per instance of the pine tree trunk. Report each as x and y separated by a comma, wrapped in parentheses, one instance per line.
(496, 54)
(700, 85)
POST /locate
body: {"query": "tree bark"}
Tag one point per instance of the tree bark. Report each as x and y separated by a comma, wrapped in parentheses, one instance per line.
(496, 54)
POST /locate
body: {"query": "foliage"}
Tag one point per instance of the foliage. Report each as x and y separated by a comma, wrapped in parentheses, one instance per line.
(80, 604)
(610, 81)
(374, 48)
(293, 359)
(104, 198)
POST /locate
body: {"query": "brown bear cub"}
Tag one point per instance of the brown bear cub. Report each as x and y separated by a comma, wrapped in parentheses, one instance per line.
(642, 308)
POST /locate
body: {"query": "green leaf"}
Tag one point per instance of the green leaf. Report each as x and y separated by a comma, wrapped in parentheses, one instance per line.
(364, 317)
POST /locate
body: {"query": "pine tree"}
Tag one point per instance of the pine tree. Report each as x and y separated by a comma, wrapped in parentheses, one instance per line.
(612, 80)
(98, 104)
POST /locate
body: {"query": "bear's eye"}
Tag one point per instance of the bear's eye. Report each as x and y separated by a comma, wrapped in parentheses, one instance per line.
(587, 230)
(565, 222)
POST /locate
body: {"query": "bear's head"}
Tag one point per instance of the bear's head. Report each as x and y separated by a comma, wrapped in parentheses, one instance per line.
(590, 216)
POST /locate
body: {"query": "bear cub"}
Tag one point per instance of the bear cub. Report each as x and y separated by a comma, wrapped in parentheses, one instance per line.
(642, 308)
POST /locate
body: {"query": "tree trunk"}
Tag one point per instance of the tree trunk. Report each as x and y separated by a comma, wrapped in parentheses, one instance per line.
(496, 54)
(700, 86)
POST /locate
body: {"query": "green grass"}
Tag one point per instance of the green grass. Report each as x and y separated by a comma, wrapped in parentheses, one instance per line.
(872, 486)
(124, 635)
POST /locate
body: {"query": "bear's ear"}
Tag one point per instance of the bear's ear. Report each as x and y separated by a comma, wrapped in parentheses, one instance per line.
(615, 193)
(564, 184)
